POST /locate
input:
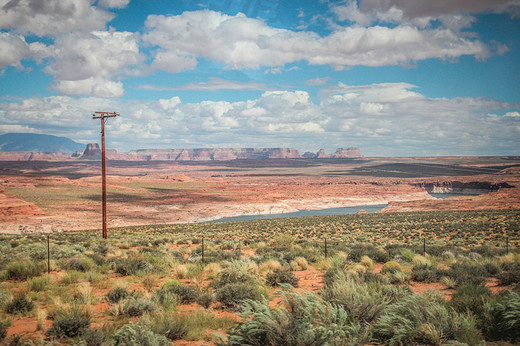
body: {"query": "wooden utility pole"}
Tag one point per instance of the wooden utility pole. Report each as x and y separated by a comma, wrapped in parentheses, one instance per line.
(103, 116)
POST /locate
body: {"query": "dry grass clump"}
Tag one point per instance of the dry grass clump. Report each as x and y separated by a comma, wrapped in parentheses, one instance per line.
(211, 270)
(269, 266)
(366, 261)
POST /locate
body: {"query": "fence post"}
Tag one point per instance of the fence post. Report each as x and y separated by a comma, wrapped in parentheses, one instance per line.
(507, 245)
(48, 254)
(424, 247)
(202, 250)
(325, 247)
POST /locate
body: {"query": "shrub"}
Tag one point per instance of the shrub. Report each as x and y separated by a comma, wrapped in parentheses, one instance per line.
(305, 319)
(424, 273)
(424, 319)
(187, 294)
(302, 262)
(510, 275)
(81, 264)
(236, 272)
(19, 305)
(363, 300)
(366, 261)
(24, 270)
(93, 337)
(391, 267)
(502, 318)
(470, 297)
(139, 334)
(38, 284)
(234, 294)
(3, 331)
(116, 294)
(132, 266)
(279, 276)
(69, 326)
(206, 299)
(136, 307)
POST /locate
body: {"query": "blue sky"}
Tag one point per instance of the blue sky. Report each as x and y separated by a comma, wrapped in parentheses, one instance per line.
(393, 77)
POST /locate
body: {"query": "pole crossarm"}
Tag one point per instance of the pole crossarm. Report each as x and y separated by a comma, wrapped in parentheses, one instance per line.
(103, 116)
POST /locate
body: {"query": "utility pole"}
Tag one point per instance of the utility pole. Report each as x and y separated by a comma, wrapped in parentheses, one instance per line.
(103, 116)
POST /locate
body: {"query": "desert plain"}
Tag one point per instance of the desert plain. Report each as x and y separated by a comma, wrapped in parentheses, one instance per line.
(48, 196)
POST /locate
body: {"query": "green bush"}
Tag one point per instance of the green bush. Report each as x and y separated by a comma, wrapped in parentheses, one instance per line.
(92, 337)
(132, 266)
(280, 276)
(205, 299)
(236, 272)
(117, 294)
(470, 298)
(234, 294)
(304, 320)
(425, 273)
(171, 326)
(424, 319)
(138, 306)
(3, 331)
(19, 305)
(69, 326)
(186, 293)
(24, 270)
(510, 275)
(502, 318)
(139, 334)
(38, 284)
(363, 300)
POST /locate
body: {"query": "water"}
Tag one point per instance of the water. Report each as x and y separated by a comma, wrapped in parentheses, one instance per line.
(315, 212)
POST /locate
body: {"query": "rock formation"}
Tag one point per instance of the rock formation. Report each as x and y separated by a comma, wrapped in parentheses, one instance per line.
(93, 152)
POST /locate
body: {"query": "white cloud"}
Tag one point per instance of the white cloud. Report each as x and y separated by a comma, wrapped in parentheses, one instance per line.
(382, 119)
(113, 3)
(49, 17)
(13, 48)
(94, 86)
(241, 42)
(213, 84)
(428, 8)
(88, 63)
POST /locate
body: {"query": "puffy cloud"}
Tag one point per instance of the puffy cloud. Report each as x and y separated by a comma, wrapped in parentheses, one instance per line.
(113, 3)
(51, 17)
(382, 119)
(241, 42)
(427, 8)
(100, 53)
(88, 63)
(93, 86)
(13, 48)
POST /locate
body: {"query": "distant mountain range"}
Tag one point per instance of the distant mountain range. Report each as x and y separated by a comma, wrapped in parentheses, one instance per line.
(38, 143)
(34, 147)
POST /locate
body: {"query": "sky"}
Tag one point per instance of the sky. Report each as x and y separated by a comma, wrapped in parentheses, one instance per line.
(392, 77)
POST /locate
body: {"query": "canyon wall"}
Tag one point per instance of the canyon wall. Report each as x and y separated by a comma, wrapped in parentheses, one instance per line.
(470, 188)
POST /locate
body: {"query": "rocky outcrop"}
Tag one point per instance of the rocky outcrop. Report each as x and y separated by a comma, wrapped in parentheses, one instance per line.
(455, 187)
(92, 152)
(219, 154)
(342, 153)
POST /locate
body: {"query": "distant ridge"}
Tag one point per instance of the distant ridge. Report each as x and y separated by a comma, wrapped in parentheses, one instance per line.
(31, 142)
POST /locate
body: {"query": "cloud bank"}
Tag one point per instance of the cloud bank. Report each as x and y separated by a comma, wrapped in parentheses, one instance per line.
(383, 119)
